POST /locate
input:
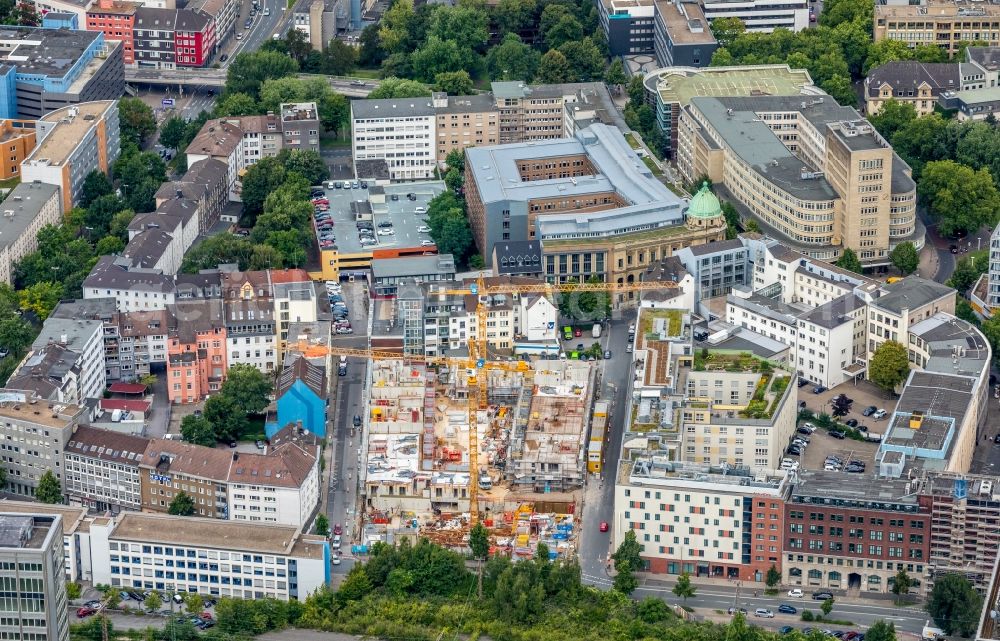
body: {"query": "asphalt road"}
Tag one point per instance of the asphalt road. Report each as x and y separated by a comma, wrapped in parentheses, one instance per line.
(599, 501)
(263, 28)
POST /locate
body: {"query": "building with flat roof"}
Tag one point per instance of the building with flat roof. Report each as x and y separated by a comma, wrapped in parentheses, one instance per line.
(31, 546)
(26, 413)
(682, 36)
(387, 273)
(300, 126)
(72, 142)
(590, 201)
(710, 521)
(628, 25)
(940, 23)
(75, 530)
(670, 89)
(26, 209)
(820, 165)
(47, 69)
(246, 560)
(115, 19)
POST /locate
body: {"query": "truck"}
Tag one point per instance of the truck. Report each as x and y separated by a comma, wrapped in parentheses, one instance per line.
(596, 330)
(930, 633)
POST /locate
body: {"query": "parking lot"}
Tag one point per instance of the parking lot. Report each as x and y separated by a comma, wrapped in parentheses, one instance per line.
(864, 394)
(397, 213)
(821, 445)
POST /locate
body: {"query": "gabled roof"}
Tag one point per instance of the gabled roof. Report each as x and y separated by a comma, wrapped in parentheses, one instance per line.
(910, 74)
(186, 458)
(301, 369)
(288, 465)
(107, 445)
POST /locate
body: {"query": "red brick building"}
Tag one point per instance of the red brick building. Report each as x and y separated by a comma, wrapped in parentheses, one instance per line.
(854, 533)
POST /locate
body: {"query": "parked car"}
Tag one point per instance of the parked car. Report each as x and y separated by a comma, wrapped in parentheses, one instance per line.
(822, 595)
(852, 422)
(787, 609)
(803, 430)
(742, 611)
(427, 243)
(84, 612)
(785, 629)
(387, 232)
(763, 612)
(871, 409)
(879, 414)
(411, 196)
(337, 529)
(357, 420)
(394, 197)
(604, 526)
(795, 593)
(819, 389)
(793, 451)
(838, 434)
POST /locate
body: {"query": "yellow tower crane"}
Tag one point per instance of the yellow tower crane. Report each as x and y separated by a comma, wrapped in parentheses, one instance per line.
(478, 354)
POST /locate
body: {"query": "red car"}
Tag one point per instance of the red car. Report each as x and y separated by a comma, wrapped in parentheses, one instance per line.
(336, 528)
(578, 332)
(84, 612)
(320, 201)
(604, 526)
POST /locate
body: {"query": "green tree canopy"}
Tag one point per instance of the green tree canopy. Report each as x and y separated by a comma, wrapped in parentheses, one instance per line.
(512, 60)
(683, 587)
(454, 83)
(49, 489)
(726, 30)
(955, 605)
(628, 552)
(248, 387)
(479, 541)
(136, 120)
(958, 197)
(226, 417)
(248, 71)
(553, 68)
(399, 88)
(905, 258)
(197, 430)
(849, 260)
(889, 365)
(892, 116)
(881, 630)
(181, 505)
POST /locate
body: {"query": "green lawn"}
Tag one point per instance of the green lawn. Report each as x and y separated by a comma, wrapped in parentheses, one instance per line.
(365, 73)
(652, 166)
(254, 430)
(10, 183)
(632, 142)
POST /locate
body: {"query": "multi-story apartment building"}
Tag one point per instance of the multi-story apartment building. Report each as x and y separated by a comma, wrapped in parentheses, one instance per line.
(534, 112)
(627, 25)
(463, 121)
(914, 83)
(223, 13)
(281, 486)
(595, 207)
(116, 20)
(902, 305)
(719, 522)
(295, 301)
(26, 209)
(48, 69)
(681, 34)
(76, 539)
(72, 142)
(27, 458)
(300, 126)
(196, 350)
(261, 137)
(812, 173)
(854, 536)
(206, 182)
(223, 141)
(66, 362)
(169, 468)
(941, 23)
(102, 469)
(34, 577)
(17, 139)
(172, 38)
(243, 560)
(398, 131)
(249, 316)
(716, 267)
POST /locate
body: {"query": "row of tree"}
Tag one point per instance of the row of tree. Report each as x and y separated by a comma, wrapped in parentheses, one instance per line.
(448, 46)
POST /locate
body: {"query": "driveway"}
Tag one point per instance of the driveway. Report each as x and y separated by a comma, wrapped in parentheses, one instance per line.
(159, 421)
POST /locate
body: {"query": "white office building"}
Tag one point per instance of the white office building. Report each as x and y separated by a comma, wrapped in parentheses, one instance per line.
(398, 131)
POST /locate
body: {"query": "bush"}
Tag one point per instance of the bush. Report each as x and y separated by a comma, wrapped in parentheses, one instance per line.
(807, 615)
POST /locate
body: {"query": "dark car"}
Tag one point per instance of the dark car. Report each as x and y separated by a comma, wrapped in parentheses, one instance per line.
(838, 434)
(224, 58)
(953, 248)
(394, 197)
(803, 430)
(871, 409)
(852, 422)
(803, 382)
(794, 451)
(819, 389)
(862, 428)
(411, 196)
(785, 629)
(996, 439)
(742, 611)
(787, 609)
(854, 470)
(822, 596)
(357, 420)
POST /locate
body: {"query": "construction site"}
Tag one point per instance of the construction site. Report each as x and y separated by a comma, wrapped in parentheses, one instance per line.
(528, 467)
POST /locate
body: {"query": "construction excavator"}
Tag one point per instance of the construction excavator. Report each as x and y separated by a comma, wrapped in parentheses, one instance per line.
(478, 358)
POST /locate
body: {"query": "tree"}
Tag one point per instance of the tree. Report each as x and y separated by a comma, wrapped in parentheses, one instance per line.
(181, 505)
(197, 430)
(306, 163)
(259, 181)
(455, 160)
(339, 58)
(991, 330)
(236, 104)
(511, 60)
(73, 590)
(228, 421)
(322, 525)
(49, 490)
(959, 198)
(892, 116)
(773, 577)
(248, 387)
(624, 581)
(901, 584)
(113, 598)
(136, 120)
(905, 258)
(881, 630)
(553, 68)
(889, 365)
(922, 140)
(193, 603)
(966, 273)
(109, 245)
(439, 56)
(840, 88)
(371, 53)
(566, 29)
(15, 333)
(884, 51)
(454, 83)
(153, 601)
(955, 605)
(726, 30)
(355, 586)
(95, 185)
(172, 132)
(849, 261)
(248, 71)
(453, 179)
(41, 298)
(399, 88)
(479, 541)
(683, 587)
(584, 58)
(514, 16)
(467, 25)
(615, 74)
(826, 606)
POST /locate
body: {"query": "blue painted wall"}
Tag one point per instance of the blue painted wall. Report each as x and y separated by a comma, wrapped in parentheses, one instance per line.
(300, 403)
(8, 92)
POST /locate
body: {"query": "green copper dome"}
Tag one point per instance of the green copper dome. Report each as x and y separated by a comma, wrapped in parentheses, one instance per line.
(704, 204)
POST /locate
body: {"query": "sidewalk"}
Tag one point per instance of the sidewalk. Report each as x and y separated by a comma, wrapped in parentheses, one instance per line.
(929, 261)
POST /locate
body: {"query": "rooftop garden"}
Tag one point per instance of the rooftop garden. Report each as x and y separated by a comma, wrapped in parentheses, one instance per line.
(729, 361)
(674, 318)
(767, 385)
